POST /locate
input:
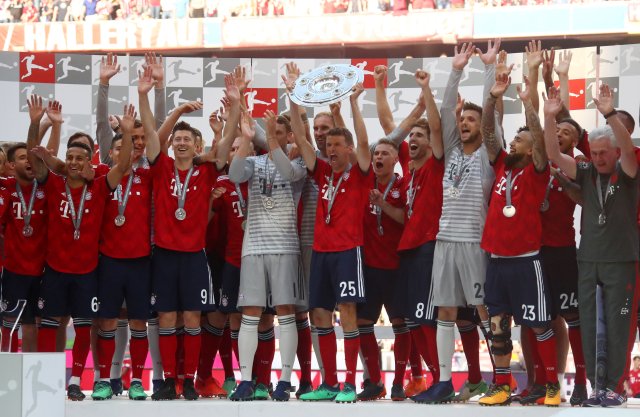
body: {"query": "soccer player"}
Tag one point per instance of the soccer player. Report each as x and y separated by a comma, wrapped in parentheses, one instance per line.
(459, 262)
(515, 286)
(75, 211)
(271, 254)
(383, 224)
(336, 266)
(181, 280)
(608, 251)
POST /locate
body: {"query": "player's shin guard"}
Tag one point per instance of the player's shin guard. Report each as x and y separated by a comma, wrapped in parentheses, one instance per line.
(303, 352)
(546, 342)
(106, 349)
(370, 351)
(247, 345)
(211, 337)
(471, 346)
(328, 351)
(401, 348)
(265, 354)
(138, 348)
(288, 344)
(192, 341)
(445, 342)
(81, 345)
(351, 348)
(575, 340)
(168, 346)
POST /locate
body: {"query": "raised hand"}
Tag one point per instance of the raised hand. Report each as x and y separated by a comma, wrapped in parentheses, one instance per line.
(270, 119)
(525, 95)
(224, 109)
(489, 57)
(128, 118)
(534, 55)
(422, 78)
(379, 72)
(113, 122)
(548, 58)
(240, 75)
(108, 68)
(358, 89)
(375, 197)
(334, 108)
(217, 192)
(459, 106)
(552, 103)
(461, 58)
(501, 64)
(88, 173)
(564, 61)
(247, 126)
(293, 72)
(216, 123)
(190, 107)
(157, 68)
(231, 90)
(36, 110)
(40, 152)
(54, 112)
(503, 82)
(145, 80)
(604, 101)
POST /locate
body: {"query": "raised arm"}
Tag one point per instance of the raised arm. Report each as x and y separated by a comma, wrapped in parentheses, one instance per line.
(167, 126)
(241, 169)
(232, 93)
(115, 174)
(382, 103)
(492, 141)
(553, 106)
(433, 116)
(548, 63)
(307, 151)
(290, 170)
(628, 160)
(363, 153)
(338, 120)
(145, 84)
(36, 111)
(54, 114)
(534, 52)
(109, 67)
(540, 159)
(562, 69)
(396, 213)
(449, 119)
(401, 131)
(157, 73)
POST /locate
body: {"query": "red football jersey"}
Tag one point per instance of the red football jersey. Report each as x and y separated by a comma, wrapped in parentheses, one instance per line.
(133, 238)
(557, 221)
(101, 170)
(634, 381)
(424, 223)
(344, 231)
(522, 233)
(230, 211)
(403, 158)
(64, 253)
(25, 255)
(170, 233)
(380, 251)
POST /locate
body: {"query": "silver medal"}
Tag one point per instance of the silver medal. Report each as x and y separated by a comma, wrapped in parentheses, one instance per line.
(119, 220)
(268, 203)
(544, 206)
(454, 192)
(181, 214)
(509, 211)
(27, 230)
(602, 219)
(76, 234)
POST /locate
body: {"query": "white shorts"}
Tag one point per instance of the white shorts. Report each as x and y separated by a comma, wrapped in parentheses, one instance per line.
(270, 280)
(459, 272)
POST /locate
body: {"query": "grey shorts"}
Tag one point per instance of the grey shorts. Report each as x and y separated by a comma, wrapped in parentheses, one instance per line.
(305, 257)
(459, 272)
(270, 280)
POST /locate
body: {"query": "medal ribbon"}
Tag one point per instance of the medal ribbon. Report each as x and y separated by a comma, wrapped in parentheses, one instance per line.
(241, 200)
(26, 210)
(509, 185)
(122, 201)
(602, 201)
(333, 190)
(384, 197)
(76, 218)
(182, 188)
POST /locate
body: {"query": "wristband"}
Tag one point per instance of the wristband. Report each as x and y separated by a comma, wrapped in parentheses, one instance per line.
(611, 113)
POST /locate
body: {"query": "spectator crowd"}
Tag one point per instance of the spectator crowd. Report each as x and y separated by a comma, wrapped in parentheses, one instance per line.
(15, 11)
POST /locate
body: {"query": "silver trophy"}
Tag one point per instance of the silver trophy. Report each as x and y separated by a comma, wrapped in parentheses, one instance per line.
(326, 85)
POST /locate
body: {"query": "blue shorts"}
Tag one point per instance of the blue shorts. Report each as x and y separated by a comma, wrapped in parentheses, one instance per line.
(63, 294)
(336, 277)
(381, 286)
(20, 287)
(228, 302)
(561, 270)
(415, 273)
(517, 286)
(126, 280)
(181, 281)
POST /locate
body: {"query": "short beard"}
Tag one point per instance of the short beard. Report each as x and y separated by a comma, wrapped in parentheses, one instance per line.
(512, 159)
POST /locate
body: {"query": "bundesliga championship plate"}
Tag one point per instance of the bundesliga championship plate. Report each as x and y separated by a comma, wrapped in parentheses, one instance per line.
(326, 85)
